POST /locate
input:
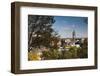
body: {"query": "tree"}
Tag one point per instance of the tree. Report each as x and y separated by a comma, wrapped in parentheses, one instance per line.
(84, 49)
(40, 31)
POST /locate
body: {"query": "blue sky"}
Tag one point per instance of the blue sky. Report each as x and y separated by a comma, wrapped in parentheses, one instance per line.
(64, 25)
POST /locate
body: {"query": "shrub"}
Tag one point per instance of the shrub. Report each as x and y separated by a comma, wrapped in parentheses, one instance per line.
(33, 56)
(51, 54)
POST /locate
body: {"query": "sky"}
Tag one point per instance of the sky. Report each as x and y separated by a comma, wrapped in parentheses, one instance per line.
(64, 26)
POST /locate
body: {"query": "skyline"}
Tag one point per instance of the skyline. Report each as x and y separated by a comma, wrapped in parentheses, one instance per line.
(64, 26)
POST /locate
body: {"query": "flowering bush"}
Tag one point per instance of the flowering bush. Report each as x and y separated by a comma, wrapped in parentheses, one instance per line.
(34, 56)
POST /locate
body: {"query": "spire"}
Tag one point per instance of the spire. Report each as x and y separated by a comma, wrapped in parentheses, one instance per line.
(73, 34)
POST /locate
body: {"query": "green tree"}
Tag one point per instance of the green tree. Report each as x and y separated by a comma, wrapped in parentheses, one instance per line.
(71, 53)
(84, 49)
(40, 31)
(52, 54)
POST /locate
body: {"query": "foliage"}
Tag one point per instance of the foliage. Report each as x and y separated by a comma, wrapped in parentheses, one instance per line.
(52, 54)
(55, 54)
(83, 53)
(33, 56)
(72, 53)
(40, 31)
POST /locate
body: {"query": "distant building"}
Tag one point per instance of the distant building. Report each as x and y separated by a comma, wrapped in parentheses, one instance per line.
(74, 41)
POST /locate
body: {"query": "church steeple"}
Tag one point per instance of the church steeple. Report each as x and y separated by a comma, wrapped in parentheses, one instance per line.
(73, 37)
(73, 33)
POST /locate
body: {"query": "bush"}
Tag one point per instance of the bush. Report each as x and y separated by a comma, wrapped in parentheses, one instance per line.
(83, 53)
(33, 56)
(51, 54)
(71, 53)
